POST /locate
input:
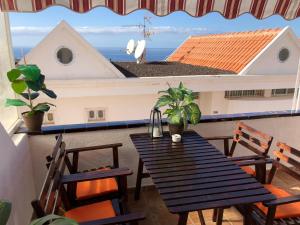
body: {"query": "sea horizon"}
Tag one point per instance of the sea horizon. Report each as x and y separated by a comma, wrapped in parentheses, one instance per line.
(113, 53)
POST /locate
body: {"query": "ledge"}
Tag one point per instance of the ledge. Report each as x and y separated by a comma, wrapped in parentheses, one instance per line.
(142, 123)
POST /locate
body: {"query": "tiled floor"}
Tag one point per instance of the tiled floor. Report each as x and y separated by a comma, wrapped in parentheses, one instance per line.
(157, 213)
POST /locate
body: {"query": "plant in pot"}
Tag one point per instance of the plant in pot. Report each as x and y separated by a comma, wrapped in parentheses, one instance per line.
(28, 82)
(5, 209)
(53, 220)
(181, 108)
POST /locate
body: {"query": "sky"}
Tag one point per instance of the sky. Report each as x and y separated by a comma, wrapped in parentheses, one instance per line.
(103, 28)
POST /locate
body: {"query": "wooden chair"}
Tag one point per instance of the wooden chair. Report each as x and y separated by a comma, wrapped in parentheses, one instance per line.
(53, 195)
(256, 141)
(286, 208)
(94, 190)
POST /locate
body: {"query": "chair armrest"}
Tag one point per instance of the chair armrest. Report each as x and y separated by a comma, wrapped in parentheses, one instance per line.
(242, 158)
(218, 138)
(117, 220)
(282, 201)
(94, 175)
(254, 162)
(91, 148)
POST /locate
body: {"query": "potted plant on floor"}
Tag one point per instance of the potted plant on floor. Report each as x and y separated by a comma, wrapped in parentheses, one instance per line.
(5, 209)
(28, 82)
(181, 108)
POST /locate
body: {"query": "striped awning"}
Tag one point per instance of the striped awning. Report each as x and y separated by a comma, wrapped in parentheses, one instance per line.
(289, 9)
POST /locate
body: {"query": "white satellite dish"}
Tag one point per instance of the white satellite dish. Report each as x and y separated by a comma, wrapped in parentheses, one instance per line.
(140, 51)
(130, 47)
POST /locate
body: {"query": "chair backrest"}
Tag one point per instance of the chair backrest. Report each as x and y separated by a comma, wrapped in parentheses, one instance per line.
(252, 139)
(287, 159)
(50, 196)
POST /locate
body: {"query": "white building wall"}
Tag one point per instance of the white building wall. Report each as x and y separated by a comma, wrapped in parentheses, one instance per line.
(87, 62)
(16, 176)
(244, 105)
(268, 62)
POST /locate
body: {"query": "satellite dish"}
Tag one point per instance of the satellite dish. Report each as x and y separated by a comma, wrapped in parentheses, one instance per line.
(130, 47)
(140, 50)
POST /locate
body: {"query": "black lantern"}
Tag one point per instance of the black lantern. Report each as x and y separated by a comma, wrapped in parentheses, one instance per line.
(155, 127)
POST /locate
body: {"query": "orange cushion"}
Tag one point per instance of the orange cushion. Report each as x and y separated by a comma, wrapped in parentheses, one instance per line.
(282, 211)
(94, 188)
(248, 170)
(100, 210)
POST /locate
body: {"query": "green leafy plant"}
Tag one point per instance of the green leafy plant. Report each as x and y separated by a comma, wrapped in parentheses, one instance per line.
(27, 81)
(182, 107)
(5, 209)
(53, 220)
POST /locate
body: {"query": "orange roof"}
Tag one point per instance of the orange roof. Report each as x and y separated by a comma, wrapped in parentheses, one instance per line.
(229, 51)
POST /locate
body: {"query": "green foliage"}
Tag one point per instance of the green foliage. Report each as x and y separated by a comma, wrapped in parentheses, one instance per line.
(5, 209)
(53, 220)
(181, 105)
(27, 81)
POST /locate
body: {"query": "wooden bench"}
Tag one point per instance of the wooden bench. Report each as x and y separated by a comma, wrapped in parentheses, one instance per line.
(54, 198)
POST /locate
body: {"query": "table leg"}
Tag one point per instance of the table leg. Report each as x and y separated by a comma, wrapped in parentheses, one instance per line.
(139, 180)
(261, 171)
(220, 212)
(201, 217)
(183, 218)
(247, 217)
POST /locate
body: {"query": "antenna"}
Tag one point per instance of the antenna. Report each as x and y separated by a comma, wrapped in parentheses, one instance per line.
(140, 52)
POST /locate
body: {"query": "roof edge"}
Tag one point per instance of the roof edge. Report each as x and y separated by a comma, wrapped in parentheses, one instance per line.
(178, 47)
(249, 65)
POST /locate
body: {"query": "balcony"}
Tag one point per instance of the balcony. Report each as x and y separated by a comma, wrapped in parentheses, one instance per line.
(25, 159)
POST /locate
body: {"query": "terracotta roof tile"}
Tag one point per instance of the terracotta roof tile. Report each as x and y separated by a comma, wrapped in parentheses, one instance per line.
(229, 51)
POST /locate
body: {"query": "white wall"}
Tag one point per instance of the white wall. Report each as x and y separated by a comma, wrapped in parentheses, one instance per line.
(87, 62)
(16, 176)
(269, 64)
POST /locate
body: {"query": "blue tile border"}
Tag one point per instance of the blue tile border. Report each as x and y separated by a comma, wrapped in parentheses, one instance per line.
(72, 128)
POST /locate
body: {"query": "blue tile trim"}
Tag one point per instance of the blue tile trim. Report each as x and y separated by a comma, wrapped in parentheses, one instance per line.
(143, 123)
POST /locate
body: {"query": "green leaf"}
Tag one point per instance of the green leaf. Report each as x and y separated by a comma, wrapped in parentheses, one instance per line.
(31, 72)
(15, 102)
(163, 101)
(32, 95)
(194, 113)
(44, 107)
(181, 85)
(13, 74)
(19, 86)
(175, 117)
(54, 220)
(5, 209)
(50, 93)
(188, 99)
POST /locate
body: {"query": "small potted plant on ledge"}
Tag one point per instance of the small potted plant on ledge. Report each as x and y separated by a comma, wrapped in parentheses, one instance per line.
(27, 82)
(181, 108)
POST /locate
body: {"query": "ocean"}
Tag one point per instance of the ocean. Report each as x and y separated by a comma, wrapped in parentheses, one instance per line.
(116, 54)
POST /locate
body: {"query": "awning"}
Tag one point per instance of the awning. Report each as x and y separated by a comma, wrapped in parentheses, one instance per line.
(289, 9)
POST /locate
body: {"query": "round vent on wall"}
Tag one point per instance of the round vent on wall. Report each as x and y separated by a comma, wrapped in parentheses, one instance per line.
(64, 55)
(283, 55)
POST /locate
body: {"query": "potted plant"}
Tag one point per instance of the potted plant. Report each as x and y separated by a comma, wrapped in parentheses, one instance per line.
(5, 209)
(181, 108)
(27, 82)
(53, 220)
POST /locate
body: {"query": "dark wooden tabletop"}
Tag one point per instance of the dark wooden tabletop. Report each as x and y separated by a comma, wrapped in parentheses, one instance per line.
(193, 175)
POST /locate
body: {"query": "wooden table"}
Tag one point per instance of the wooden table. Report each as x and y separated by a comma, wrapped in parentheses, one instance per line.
(193, 175)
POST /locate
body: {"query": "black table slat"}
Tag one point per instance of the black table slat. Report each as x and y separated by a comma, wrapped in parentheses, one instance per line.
(193, 175)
